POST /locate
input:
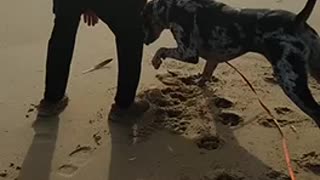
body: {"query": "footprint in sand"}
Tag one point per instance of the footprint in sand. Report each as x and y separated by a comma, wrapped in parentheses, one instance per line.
(180, 107)
(176, 126)
(285, 117)
(222, 174)
(178, 79)
(310, 162)
(227, 177)
(67, 170)
(209, 142)
(81, 155)
(223, 103)
(230, 119)
(270, 78)
(283, 110)
(275, 175)
(269, 123)
(3, 174)
(77, 159)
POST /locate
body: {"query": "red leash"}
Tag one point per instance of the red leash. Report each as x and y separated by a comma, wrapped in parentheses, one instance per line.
(284, 141)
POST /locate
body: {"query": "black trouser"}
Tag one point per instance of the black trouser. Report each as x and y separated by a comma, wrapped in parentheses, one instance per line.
(124, 20)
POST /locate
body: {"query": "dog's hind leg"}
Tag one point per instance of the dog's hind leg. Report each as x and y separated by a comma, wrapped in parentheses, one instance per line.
(289, 65)
(207, 72)
(314, 60)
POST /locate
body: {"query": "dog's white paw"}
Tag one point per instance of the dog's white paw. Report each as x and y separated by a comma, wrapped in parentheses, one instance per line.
(156, 62)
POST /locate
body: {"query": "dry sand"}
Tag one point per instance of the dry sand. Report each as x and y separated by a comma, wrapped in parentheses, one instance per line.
(217, 133)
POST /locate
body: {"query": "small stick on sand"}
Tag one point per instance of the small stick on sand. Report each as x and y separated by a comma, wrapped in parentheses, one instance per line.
(132, 159)
(170, 148)
(98, 66)
(294, 129)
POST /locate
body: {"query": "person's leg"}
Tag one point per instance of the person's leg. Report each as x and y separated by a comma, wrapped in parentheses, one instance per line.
(126, 24)
(129, 51)
(59, 54)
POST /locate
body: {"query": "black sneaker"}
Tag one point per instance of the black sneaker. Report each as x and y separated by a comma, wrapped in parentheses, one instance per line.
(137, 109)
(49, 109)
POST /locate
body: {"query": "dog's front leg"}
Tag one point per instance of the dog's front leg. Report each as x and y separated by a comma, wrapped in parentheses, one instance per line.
(188, 56)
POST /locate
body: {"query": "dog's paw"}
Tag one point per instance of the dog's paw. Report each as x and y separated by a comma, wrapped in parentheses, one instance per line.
(202, 82)
(156, 62)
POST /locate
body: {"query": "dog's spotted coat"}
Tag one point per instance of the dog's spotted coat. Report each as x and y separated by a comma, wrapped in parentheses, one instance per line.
(218, 33)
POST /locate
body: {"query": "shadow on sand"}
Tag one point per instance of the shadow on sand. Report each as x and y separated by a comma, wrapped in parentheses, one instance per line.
(37, 163)
(173, 157)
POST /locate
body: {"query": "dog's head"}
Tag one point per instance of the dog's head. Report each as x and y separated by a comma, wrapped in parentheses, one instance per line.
(154, 20)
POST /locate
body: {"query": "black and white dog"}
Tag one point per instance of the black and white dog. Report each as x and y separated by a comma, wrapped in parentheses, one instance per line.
(218, 33)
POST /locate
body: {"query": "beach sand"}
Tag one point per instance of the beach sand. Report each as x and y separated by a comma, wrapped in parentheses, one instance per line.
(217, 133)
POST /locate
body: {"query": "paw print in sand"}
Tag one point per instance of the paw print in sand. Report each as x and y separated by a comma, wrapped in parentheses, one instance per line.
(230, 119)
(310, 162)
(185, 109)
(223, 174)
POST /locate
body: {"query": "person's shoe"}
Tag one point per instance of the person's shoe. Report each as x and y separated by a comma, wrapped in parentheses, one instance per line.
(49, 109)
(137, 109)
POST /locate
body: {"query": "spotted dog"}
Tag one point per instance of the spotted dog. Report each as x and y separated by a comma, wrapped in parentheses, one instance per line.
(218, 33)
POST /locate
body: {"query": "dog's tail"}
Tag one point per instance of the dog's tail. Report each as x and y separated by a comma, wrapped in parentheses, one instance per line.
(303, 15)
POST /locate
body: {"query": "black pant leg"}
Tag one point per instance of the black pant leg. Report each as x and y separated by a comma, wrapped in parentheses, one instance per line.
(125, 21)
(59, 55)
(129, 52)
